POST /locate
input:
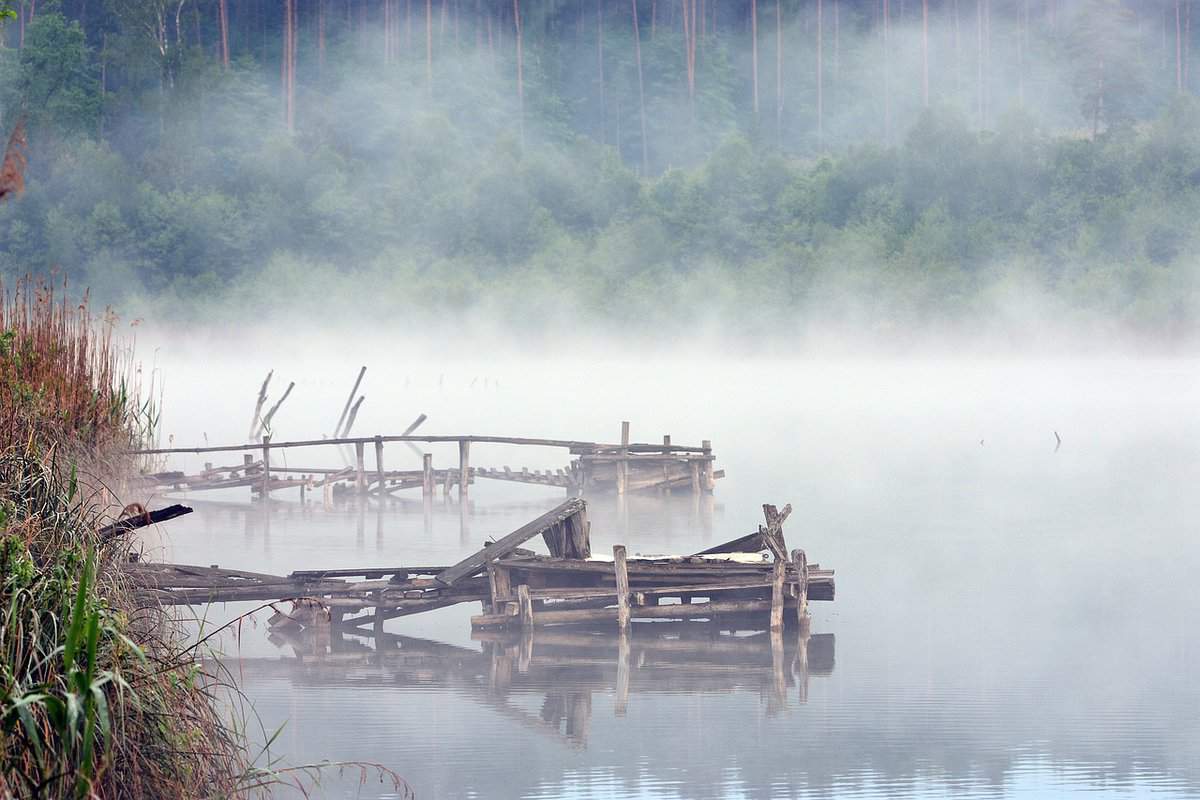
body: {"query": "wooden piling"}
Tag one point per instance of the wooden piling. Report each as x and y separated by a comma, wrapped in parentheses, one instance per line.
(499, 585)
(427, 475)
(800, 562)
(777, 595)
(379, 477)
(709, 481)
(360, 470)
(266, 476)
(622, 575)
(525, 606)
(695, 477)
(464, 467)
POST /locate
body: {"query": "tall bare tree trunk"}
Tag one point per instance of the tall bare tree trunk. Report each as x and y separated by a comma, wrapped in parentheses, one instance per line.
(289, 64)
(320, 38)
(1187, 46)
(779, 71)
(979, 64)
(887, 71)
(429, 46)
(1022, 27)
(821, 72)
(520, 70)
(1178, 49)
(223, 24)
(925, 53)
(837, 41)
(600, 70)
(754, 52)
(387, 32)
(637, 50)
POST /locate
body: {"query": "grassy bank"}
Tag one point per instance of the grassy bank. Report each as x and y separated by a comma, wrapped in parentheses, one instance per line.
(99, 697)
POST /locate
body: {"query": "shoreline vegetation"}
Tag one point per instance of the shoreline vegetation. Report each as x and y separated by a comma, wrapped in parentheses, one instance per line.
(100, 696)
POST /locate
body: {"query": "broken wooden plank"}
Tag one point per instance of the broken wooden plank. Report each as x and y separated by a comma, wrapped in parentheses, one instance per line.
(472, 564)
(142, 520)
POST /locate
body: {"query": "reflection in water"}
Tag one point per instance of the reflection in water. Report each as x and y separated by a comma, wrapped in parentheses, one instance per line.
(568, 666)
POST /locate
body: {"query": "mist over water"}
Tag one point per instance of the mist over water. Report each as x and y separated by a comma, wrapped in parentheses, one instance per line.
(1009, 621)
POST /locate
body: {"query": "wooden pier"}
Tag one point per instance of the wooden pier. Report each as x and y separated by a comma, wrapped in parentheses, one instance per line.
(595, 467)
(753, 577)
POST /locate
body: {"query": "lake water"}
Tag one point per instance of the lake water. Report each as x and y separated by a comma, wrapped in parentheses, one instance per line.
(1010, 621)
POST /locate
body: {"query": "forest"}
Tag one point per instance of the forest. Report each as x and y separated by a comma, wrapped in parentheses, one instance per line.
(757, 165)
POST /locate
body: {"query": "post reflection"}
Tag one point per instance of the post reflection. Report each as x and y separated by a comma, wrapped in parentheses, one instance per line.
(572, 669)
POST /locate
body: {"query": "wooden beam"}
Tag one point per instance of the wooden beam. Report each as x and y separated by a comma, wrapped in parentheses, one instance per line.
(142, 520)
(475, 562)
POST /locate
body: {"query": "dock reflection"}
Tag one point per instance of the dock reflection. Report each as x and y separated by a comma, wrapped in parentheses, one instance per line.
(569, 669)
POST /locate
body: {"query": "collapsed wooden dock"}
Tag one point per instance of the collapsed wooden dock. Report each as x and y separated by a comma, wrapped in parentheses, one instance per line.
(754, 578)
(595, 467)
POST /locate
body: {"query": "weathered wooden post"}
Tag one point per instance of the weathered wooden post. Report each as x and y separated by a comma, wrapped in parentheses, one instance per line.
(623, 462)
(525, 607)
(777, 579)
(695, 467)
(500, 586)
(266, 478)
(379, 464)
(709, 482)
(464, 467)
(800, 562)
(360, 469)
(622, 574)
(427, 475)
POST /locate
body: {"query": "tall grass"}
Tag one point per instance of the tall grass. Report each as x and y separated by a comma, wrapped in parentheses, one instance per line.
(99, 696)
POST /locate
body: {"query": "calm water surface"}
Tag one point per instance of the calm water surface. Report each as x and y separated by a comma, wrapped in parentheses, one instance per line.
(1010, 621)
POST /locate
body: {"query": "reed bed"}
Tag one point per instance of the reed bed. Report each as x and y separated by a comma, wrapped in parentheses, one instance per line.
(99, 696)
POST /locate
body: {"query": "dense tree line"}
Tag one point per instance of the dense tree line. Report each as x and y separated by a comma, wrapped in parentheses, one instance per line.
(876, 161)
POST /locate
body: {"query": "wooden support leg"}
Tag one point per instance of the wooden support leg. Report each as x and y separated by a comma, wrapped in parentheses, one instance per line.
(525, 607)
(777, 595)
(379, 465)
(427, 475)
(500, 586)
(800, 562)
(464, 467)
(709, 482)
(622, 576)
(360, 469)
